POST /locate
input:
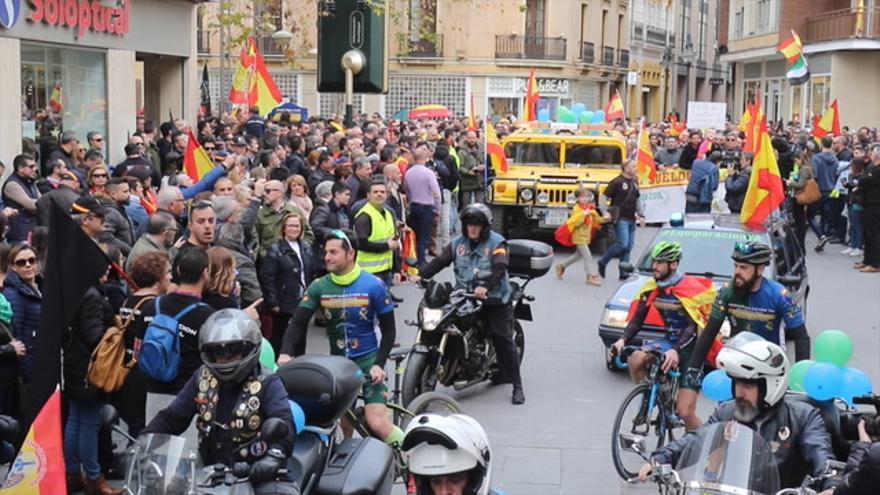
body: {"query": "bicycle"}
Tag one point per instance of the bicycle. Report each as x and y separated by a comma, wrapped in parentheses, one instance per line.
(655, 399)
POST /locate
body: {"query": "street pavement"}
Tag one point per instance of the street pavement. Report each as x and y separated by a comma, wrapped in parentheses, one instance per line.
(559, 441)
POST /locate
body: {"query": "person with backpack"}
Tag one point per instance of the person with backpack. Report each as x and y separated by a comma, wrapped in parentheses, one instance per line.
(702, 185)
(93, 317)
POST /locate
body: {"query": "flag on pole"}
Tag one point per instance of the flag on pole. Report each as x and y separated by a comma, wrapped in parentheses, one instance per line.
(614, 108)
(205, 107)
(756, 120)
(472, 118)
(829, 123)
(240, 90)
(798, 71)
(765, 192)
(746, 118)
(645, 165)
(196, 162)
(494, 149)
(532, 97)
(264, 93)
(56, 99)
(38, 468)
(677, 127)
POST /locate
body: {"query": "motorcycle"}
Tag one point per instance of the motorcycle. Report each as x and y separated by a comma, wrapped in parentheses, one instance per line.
(453, 347)
(724, 458)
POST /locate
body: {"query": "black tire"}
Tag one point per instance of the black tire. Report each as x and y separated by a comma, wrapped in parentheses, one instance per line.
(499, 220)
(430, 402)
(519, 338)
(627, 464)
(416, 376)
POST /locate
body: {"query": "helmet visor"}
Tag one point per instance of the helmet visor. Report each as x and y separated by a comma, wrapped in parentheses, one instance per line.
(741, 340)
(227, 351)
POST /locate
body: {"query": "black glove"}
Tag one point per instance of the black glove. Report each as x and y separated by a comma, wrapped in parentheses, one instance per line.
(266, 468)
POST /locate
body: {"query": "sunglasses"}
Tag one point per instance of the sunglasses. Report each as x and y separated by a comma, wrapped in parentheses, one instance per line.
(338, 234)
(97, 139)
(99, 176)
(25, 262)
(209, 148)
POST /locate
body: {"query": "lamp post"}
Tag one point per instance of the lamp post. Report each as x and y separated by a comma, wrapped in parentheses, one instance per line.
(688, 55)
(667, 61)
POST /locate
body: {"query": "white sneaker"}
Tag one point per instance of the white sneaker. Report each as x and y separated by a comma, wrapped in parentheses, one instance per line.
(847, 251)
(856, 253)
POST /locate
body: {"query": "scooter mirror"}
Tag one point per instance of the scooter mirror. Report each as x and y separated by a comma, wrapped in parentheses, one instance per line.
(274, 430)
(109, 416)
(626, 268)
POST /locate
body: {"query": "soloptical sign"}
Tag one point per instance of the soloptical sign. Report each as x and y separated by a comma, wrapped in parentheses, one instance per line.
(81, 16)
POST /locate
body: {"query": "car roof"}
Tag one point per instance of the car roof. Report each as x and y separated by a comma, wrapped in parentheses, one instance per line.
(715, 221)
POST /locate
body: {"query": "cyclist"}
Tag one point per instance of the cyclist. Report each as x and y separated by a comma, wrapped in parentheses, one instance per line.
(800, 443)
(448, 455)
(754, 304)
(360, 325)
(679, 303)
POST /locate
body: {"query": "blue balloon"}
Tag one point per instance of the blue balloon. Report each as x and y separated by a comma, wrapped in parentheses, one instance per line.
(718, 386)
(823, 381)
(544, 115)
(598, 116)
(299, 416)
(854, 383)
(578, 109)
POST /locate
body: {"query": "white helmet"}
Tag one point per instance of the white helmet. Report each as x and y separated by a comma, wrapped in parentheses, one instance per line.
(438, 445)
(749, 357)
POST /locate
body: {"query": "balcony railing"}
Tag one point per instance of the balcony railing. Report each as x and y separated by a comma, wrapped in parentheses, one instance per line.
(843, 24)
(529, 47)
(623, 58)
(203, 41)
(588, 52)
(269, 47)
(423, 48)
(608, 55)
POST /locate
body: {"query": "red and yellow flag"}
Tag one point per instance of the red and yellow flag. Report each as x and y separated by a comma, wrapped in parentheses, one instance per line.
(677, 127)
(580, 215)
(829, 123)
(791, 48)
(239, 91)
(39, 467)
(252, 85)
(614, 108)
(765, 192)
(754, 125)
(695, 293)
(56, 99)
(472, 118)
(494, 149)
(196, 162)
(645, 164)
(530, 112)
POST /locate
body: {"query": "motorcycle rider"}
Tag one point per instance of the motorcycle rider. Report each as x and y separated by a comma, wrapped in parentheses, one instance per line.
(480, 258)
(448, 455)
(230, 396)
(752, 303)
(360, 326)
(673, 301)
(794, 429)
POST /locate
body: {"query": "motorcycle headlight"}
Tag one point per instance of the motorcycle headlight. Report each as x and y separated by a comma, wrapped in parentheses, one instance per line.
(430, 318)
(571, 199)
(543, 198)
(614, 318)
(526, 194)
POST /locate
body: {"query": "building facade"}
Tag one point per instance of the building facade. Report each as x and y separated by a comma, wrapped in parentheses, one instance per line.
(94, 66)
(841, 41)
(445, 52)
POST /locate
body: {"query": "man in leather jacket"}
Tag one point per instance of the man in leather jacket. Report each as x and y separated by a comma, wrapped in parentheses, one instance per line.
(794, 430)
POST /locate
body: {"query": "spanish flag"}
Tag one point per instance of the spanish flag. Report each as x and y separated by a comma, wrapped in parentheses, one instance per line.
(580, 215)
(494, 149)
(56, 99)
(746, 118)
(240, 89)
(645, 157)
(829, 123)
(196, 162)
(530, 112)
(695, 293)
(791, 48)
(677, 127)
(765, 192)
(798, 71)
(754, 126)
(614, 108)
(252, 85)
(39, 467)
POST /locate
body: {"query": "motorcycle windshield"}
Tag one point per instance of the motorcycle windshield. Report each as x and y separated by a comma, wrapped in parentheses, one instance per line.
(161, 464)
(728, 458)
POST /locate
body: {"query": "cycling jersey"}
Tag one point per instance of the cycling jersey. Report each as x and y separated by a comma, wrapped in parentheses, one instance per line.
(758, 312)
(679, 308)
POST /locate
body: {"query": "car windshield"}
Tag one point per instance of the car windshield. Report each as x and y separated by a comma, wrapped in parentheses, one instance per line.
(532, 153)
(705, 251)
(591, 155)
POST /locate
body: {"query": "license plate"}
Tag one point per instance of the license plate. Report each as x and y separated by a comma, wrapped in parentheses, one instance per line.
(555, 217)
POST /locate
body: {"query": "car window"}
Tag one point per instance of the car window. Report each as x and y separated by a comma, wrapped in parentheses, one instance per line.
(791, 248)
(528, 153)
(581, 155)
(705, 250)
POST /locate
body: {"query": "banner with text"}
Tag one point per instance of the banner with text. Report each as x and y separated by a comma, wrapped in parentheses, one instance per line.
(665, 195)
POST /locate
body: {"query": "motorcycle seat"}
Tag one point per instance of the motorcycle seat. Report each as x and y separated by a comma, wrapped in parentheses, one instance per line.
(307, 460)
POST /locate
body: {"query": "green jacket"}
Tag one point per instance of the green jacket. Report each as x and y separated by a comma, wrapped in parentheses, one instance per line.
(471, 158)
(269, 226)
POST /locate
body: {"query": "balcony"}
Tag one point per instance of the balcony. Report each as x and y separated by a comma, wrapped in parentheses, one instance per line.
(270, 48)
(423, 48)
(608, 56)
(623, 58)
(529, 47)
(588, 53)
(842, 24)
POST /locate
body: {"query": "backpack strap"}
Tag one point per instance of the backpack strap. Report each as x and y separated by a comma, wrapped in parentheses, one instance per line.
(127, 322)
(188, 309)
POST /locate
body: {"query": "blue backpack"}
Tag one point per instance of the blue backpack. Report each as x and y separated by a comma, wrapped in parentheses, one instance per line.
(160, 350)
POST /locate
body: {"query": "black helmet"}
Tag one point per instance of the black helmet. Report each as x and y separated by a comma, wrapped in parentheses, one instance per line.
(230, 332)
(752, 252)
(476, 214)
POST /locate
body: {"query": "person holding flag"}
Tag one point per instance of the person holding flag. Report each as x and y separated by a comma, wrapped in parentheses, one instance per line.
(530, 109)
(582, 224)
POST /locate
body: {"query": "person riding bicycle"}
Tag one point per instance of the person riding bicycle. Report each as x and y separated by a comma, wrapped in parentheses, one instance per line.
(360, 326)
(794, 429)
(448, 455)
(480, 259)
(752, 303)
(679, 303)
(231, 396)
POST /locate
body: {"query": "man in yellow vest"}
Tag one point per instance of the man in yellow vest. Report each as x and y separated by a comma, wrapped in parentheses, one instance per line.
(376, 230)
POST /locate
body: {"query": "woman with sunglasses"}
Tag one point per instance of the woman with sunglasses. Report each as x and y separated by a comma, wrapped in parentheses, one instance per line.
(23, 294)
(97, 180)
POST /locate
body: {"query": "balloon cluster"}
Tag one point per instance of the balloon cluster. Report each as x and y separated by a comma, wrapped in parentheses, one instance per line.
(578, 113)
(828, 376)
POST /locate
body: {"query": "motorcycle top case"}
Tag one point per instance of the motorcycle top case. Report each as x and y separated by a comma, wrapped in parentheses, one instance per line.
(529, 259)
(358, 467)
(324, 386)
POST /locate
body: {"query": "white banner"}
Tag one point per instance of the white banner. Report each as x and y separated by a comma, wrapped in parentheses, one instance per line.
(665, 195)
(706, 115)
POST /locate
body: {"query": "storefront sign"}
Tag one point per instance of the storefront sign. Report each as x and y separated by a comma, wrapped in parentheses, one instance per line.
(83, 16)
(716, 81)
(545, 86)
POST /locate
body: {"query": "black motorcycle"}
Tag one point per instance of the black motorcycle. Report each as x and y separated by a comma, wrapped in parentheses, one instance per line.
(453, 347)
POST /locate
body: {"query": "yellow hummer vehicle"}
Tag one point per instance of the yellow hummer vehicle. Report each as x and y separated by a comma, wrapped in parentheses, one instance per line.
(546, 166)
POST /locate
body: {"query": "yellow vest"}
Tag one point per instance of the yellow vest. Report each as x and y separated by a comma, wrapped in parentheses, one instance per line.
(382, 230)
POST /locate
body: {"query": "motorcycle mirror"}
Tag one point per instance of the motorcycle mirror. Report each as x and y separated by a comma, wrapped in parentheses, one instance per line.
(109, 416)
(632, 443)
(9, 429)
(274, 430)
(626, 268)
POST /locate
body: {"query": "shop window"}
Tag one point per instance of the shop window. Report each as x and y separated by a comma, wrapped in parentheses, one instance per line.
(62, 90)
(500, 108)
(750, 90)
(408, 92)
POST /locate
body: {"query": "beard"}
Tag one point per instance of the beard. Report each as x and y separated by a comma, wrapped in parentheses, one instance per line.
(744, 286)
(745, 412)
(661, 275)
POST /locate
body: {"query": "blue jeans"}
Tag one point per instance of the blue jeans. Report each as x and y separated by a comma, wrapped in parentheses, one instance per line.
(817, 208)
(421, 220)
(857, 228)
(626, 237)
(81, 438)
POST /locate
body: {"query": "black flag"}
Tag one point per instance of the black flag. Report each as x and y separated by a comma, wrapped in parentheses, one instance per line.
(73, 264)
(205, 108)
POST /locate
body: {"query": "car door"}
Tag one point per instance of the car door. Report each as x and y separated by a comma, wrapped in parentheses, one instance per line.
(791, 267)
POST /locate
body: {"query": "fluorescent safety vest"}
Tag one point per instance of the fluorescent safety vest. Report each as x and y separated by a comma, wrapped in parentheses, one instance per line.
(382, 230)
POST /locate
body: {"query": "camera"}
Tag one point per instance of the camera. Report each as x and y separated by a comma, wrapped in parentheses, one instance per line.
(730, 159)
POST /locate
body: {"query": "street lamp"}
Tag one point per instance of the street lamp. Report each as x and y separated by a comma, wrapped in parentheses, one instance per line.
(688, 55)
(667, 61)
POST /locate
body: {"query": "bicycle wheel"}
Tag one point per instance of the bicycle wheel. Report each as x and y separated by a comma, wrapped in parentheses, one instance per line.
(628, 422)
